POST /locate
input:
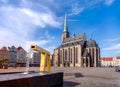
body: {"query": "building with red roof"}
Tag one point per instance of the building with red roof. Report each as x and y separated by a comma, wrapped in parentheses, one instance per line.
(106, 61)
(110, 61)
(4, 52)
(21, 56)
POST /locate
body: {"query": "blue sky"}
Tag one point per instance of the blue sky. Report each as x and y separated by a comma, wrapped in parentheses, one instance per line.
(25, 22)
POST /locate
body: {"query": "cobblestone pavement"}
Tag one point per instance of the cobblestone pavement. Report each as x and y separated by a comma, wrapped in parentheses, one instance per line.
(81, 77)
(90, 77)
(18, 69)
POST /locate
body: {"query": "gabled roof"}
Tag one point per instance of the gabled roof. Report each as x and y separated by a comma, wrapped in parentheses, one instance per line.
(4, 48)
(19, 48)
(85, 54)
(91, 43)
(107, 58)
(80, 37)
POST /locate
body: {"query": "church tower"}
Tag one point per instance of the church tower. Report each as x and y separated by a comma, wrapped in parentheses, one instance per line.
(65, 33)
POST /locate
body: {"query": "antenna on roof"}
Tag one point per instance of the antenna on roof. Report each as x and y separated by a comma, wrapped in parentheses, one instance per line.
(73, 34)
(90, 36)
(84, 35)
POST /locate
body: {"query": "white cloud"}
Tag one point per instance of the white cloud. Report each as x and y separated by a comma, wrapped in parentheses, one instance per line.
(81, 5)
(109, 2)
(111, 50)
(76, 9)
(112, 39)
(17, 26)
(8, 39)
(41, 19)
(22, 16)
(112, 47)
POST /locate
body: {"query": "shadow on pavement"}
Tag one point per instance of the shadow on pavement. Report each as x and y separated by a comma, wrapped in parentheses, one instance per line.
(70, 84)
(73, 74)
(77, 75)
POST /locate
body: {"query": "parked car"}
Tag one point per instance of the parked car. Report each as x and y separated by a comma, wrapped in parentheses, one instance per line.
(117, 68)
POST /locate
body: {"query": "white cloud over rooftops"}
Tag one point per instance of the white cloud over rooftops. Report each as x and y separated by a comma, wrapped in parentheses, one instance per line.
(18, 24)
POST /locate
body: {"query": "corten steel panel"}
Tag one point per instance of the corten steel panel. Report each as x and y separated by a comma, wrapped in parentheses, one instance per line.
(51, 80)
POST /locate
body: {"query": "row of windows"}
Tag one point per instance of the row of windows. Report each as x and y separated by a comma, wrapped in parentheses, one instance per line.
(69, 54)
(92, 54)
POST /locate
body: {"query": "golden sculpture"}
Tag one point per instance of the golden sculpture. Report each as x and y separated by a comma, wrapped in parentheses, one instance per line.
(44, 58)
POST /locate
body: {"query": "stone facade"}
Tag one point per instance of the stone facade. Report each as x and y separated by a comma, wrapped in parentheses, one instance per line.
(21, 56)
(4, 52)
(12, 56)
(76, 51)
(16, 56)
(35, 59)
(110, 61)
(117, 61)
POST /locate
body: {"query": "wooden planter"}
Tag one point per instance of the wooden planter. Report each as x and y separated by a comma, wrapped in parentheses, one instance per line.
(1, 66)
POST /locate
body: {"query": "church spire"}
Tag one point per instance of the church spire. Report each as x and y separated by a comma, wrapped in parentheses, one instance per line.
(65, 23)
(65, 33)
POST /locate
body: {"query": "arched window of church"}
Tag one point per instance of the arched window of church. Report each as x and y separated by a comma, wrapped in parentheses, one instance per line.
(97, 55)
(76, 54)
(65, 55)
(90, 51)
(93, 55)
(71, 55)
(61, 57)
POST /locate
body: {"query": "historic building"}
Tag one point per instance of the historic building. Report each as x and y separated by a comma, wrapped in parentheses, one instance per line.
(4, 57)
(17, 56)
(76, 51)
(4, 52)
(21, 56)
(34, 59)
(117, 61)
(110, 61)
(12, 56)
(107, 61)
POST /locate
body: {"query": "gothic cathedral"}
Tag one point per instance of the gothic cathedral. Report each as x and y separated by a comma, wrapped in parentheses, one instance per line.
(76, 51)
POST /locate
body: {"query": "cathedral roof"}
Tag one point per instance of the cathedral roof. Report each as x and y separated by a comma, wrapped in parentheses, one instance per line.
(91, 43)
(80, 37)
(73, 44)
(85, 54)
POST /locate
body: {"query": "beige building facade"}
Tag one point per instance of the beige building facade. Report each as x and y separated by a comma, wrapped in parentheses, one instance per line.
(21, 56)
(107, 62)
(76, 51)
(110, 61)
(117, 61)
(34, 59)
